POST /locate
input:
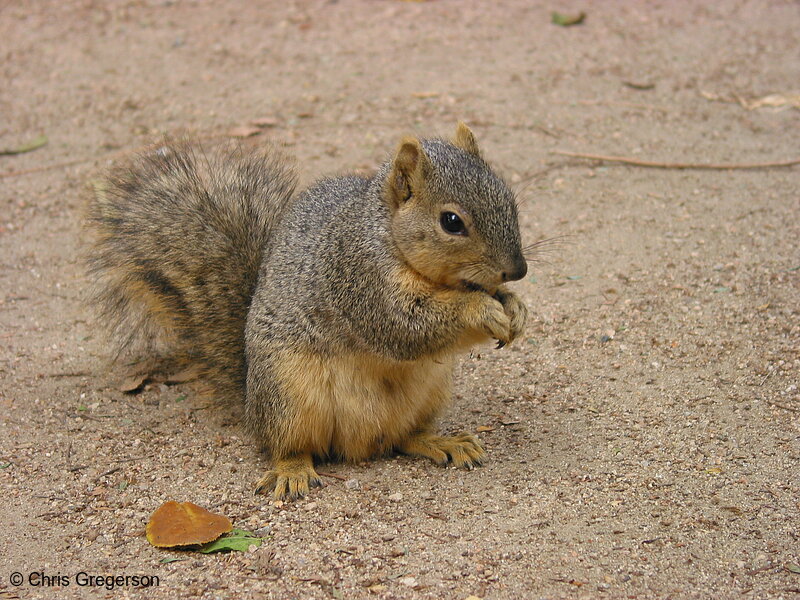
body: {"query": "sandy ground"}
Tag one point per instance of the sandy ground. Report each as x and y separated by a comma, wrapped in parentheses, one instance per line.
(642, 438)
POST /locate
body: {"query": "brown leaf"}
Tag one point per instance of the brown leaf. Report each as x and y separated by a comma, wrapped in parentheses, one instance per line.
(133, 383)
(184, 524)
(482, 428)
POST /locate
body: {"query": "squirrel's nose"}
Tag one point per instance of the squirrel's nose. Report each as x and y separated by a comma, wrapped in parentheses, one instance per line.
(518, 271)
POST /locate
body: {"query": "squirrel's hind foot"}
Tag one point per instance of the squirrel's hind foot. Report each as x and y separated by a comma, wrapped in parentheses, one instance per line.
(291, 478)
(462, 451)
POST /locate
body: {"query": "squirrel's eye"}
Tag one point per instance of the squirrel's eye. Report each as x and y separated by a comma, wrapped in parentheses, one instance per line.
(452, 223)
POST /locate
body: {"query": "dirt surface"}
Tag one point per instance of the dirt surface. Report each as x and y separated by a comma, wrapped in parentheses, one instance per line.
(642, 439)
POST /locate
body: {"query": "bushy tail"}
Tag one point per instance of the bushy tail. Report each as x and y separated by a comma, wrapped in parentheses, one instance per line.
(177, 238)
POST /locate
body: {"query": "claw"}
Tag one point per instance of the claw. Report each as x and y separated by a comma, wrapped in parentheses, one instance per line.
(462, 451)
(291, 478)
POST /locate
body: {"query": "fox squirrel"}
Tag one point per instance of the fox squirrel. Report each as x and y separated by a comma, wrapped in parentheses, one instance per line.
(336, 314)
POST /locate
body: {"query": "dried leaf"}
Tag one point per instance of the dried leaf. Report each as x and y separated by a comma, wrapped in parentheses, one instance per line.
(34, 144)
(244, 131)
(133, 383)
(792, 568)
(563, 20)
(482, 428)
(184, 524)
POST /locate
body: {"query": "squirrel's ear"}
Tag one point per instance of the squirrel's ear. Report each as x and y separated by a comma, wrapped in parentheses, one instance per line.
(410, 168)
(465, 140)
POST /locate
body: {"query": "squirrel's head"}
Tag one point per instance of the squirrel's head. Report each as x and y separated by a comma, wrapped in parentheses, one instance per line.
(453, 219)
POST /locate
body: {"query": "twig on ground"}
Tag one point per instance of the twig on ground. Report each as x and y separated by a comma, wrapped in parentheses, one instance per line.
(767, 376)
(783, 406)
(61, 165)
(638, 105)
(108, 472)
(667, 165)
(68, 374)
(332, 475)
(762, 569)
(132, 459)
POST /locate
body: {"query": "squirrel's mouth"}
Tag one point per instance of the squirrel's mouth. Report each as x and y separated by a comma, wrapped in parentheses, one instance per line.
(477, 278)
(456, 281)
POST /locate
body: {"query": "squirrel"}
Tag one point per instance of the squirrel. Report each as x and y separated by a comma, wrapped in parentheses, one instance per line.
(336, 314)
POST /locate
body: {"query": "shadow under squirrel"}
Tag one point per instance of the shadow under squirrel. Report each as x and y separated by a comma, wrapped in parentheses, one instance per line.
(337, 314)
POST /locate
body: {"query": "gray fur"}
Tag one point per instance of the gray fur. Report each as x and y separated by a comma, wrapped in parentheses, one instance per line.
(216, 258)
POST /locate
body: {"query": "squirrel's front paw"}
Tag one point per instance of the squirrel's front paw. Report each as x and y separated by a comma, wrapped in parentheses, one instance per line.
(290, 479)
(516, 311)
(491, 318)
(462, 451)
